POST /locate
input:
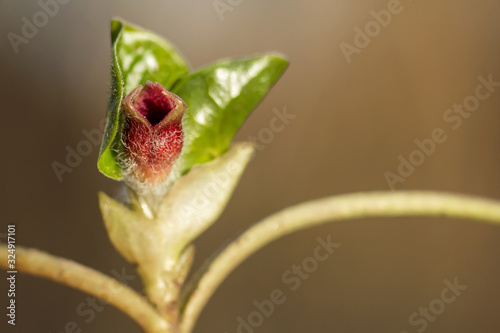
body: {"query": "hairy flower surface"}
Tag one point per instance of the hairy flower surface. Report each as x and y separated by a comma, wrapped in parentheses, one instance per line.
(152, 134)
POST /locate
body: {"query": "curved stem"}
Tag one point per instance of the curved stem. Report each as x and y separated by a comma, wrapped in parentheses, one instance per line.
(83, 278)
(359, 205)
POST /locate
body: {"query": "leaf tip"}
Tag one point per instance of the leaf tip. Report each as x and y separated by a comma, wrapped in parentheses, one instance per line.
(280, 60)
(116, 27)
(108, 166)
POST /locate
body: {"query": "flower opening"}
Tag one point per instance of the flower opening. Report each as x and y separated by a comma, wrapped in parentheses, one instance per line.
(152, 135)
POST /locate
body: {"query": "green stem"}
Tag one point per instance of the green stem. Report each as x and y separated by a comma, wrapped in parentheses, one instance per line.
(83, 278)
(351, 206)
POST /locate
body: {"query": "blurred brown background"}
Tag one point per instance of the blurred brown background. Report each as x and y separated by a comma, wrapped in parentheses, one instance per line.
(352, 122)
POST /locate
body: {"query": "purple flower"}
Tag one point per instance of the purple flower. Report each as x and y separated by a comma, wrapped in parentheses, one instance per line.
(152, 136)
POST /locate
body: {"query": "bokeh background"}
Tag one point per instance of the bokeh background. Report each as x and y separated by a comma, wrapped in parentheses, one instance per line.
(352, 122)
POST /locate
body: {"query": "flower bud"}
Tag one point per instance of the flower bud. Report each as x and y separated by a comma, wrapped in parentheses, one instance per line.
(152, 134)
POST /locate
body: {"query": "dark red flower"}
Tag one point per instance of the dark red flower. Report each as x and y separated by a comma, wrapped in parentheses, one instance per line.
(152, 135)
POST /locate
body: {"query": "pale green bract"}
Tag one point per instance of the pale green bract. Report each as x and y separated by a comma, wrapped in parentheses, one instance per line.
(157, 244)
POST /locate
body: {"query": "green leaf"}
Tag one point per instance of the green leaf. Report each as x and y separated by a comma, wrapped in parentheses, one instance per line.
(220, 97)
(197, 199)
(138, 55)
(143, 56)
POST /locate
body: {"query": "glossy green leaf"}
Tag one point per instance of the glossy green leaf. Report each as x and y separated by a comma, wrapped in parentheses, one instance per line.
(220, 97)
(143, 56)
(138, 55)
